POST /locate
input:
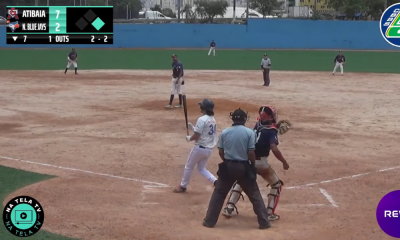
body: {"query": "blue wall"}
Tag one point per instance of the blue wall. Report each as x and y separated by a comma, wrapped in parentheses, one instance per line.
(259, 33)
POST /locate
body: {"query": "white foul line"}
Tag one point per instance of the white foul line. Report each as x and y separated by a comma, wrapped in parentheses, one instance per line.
(329, 197)
(152, 184)
(342, 178)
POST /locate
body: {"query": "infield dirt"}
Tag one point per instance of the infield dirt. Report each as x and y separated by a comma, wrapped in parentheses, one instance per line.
(115, 123)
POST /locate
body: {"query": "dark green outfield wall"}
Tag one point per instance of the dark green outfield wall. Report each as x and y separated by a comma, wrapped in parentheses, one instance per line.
(296, 60)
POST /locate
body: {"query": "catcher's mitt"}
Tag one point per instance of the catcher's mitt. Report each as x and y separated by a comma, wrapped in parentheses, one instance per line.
(283, 126)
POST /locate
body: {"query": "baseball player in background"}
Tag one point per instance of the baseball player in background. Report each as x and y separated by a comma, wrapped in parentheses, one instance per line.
(266, 129)
(205, 139)
(339, 62)
(265, 67)
(212, 48)
(177, 81)
(72, 60)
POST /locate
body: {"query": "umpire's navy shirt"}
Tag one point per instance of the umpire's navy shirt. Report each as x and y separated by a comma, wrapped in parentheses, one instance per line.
(177, 66)
(236, 142)
(265, 137)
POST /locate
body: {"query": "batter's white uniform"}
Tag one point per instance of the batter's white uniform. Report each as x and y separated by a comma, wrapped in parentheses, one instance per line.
(176, 86)
(201, 152)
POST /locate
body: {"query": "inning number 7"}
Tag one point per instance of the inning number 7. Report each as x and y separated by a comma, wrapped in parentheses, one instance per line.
(58, 13)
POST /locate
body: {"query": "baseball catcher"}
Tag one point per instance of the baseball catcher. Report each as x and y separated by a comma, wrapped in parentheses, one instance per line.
(267, 130)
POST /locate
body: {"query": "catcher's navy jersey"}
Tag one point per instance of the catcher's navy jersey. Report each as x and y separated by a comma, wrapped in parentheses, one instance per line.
(264, 137)
(177, 67)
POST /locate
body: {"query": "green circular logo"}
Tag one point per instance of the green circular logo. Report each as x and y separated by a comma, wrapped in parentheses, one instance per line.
(23, 216)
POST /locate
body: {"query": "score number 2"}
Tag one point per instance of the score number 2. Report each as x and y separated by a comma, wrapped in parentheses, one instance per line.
(105, 38)
(58, 25)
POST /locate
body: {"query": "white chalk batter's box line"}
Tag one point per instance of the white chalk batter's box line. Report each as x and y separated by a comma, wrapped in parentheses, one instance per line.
(147, 184)
(150, 184)
(309, 185)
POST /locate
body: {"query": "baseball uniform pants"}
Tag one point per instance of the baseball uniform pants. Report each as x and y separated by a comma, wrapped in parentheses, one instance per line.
(72, 63)
(266, 76)
(338, 64)
(265, 170)
(236, 172)
(198, 156)
(212, 49)
(176, 86)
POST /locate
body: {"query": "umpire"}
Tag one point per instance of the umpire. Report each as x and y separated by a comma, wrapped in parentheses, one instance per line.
(265, 67)
(236, 149)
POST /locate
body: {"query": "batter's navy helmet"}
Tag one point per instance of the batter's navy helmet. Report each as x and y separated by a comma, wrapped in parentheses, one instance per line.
(207, 105)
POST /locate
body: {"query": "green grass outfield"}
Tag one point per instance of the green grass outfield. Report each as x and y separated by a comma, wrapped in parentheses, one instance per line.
(289, 60)
(11, 180)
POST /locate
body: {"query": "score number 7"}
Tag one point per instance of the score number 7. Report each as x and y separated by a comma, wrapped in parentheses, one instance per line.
(58, 25)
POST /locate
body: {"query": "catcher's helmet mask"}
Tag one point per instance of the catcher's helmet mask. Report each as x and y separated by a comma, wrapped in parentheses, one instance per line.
(239, 116)
(268, 114)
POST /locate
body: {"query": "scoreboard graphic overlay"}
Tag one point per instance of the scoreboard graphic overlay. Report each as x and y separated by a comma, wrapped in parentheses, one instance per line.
(59, 25)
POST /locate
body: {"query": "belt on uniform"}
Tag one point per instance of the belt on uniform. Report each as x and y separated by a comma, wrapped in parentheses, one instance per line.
(236, 161)
(203, 147)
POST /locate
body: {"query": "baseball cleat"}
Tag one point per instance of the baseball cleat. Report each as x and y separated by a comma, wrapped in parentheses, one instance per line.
(178, 106)
(227, 212)
(179, 189)
(273, 217)
(168, 106)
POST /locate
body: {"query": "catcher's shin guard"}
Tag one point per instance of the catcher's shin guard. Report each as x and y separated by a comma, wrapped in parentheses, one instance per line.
(236, 193)
(273, 197)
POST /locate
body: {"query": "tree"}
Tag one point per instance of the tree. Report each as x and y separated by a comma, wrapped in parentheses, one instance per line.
(349, 7)
(376, 7)
(265, 7)
(209, 9)
(156, 8)
(188, 12)
(168, 12)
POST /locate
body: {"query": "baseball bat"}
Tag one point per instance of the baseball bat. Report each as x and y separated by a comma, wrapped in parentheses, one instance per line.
(186, 114)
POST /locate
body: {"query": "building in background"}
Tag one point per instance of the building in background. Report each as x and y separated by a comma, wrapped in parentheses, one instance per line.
(321, 5)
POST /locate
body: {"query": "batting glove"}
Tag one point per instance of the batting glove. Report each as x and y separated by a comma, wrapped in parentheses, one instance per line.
(191, 126)
(188, 138)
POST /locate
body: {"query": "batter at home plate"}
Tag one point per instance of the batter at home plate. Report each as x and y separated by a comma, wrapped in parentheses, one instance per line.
(205, 139)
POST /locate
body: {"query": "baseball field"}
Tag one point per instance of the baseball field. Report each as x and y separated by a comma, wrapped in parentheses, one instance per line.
(100, 152)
